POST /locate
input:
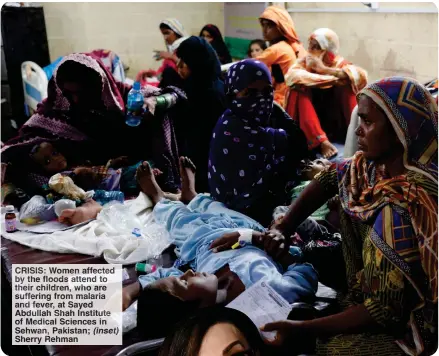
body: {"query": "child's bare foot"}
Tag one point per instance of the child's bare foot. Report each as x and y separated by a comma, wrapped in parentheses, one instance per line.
(172, 196)
(187, 173)
(85, 212)
(147, 183)
(327, 149)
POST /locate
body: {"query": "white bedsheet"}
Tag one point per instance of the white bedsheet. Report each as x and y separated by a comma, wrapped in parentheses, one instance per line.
(99, 238)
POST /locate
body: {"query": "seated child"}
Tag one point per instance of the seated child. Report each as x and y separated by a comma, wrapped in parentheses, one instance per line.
(116, 175)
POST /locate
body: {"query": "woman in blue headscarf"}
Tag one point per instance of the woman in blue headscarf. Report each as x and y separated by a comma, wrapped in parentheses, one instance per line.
(200, 70)
(250, 160)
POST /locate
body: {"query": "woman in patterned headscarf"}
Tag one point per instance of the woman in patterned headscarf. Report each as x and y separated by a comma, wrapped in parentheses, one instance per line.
(388, 194)
(323, 68)
(250, 161)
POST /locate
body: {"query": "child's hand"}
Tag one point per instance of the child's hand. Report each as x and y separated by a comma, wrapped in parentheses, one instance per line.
(118, 162)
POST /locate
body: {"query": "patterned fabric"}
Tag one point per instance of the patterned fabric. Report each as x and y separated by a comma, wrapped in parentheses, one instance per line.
(329, 44)
(218, 43)
(101, 133)
(246, 154)
(390, 224)
(52, 115)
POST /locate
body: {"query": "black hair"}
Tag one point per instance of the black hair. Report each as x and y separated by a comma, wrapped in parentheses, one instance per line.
(71, 71)
(164, 26)
(218, 43)
(259, 42)
(158, 311)
(188, 335)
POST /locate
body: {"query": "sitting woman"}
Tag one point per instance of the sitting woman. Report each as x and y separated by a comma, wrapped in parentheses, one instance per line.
(203, 231)
(225, 330)
(249, 160)
(213, 35)
(174, 34)
(84, 116)
(323, 88)
(200, 70)
(388, 194)
(285, 47)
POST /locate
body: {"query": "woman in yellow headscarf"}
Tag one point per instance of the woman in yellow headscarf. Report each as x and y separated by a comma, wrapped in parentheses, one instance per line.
(323, 68)
(285, 47)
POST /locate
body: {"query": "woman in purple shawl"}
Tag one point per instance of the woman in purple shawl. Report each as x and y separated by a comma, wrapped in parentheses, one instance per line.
(253, 153)
(84, 116)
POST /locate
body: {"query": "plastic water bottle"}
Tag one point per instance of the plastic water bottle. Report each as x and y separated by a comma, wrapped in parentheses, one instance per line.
(103, 197)
(134, 105)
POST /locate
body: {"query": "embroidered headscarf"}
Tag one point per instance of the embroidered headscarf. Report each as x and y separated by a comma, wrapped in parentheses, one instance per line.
(245, 153)
(51, 120)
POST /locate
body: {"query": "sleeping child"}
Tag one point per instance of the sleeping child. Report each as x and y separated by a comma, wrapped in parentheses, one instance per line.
(116, 175)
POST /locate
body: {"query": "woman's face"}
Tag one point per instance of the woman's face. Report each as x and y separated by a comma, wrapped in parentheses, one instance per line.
(224, 339)
(270, 30)
(183, 69)
(207, 36)
(191, 286)
(255, 50)
(256, 89)
(80, 95)
(169, 35)
(314, 46)
(376, 136)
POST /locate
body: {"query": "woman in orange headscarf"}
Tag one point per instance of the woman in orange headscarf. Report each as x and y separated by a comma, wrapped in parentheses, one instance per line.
(321, 69)
(285, 47)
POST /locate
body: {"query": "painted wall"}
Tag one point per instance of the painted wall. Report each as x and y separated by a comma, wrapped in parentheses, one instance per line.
(384, 44)
(129, 29)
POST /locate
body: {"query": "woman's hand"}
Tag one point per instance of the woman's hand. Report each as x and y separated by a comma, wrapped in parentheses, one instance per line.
(164, 55)
(284, 329)
(276, 244)
(314, 64)
(225, 242)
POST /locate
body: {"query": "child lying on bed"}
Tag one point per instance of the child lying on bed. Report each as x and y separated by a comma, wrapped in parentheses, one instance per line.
(204, 232)
(116, 175)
